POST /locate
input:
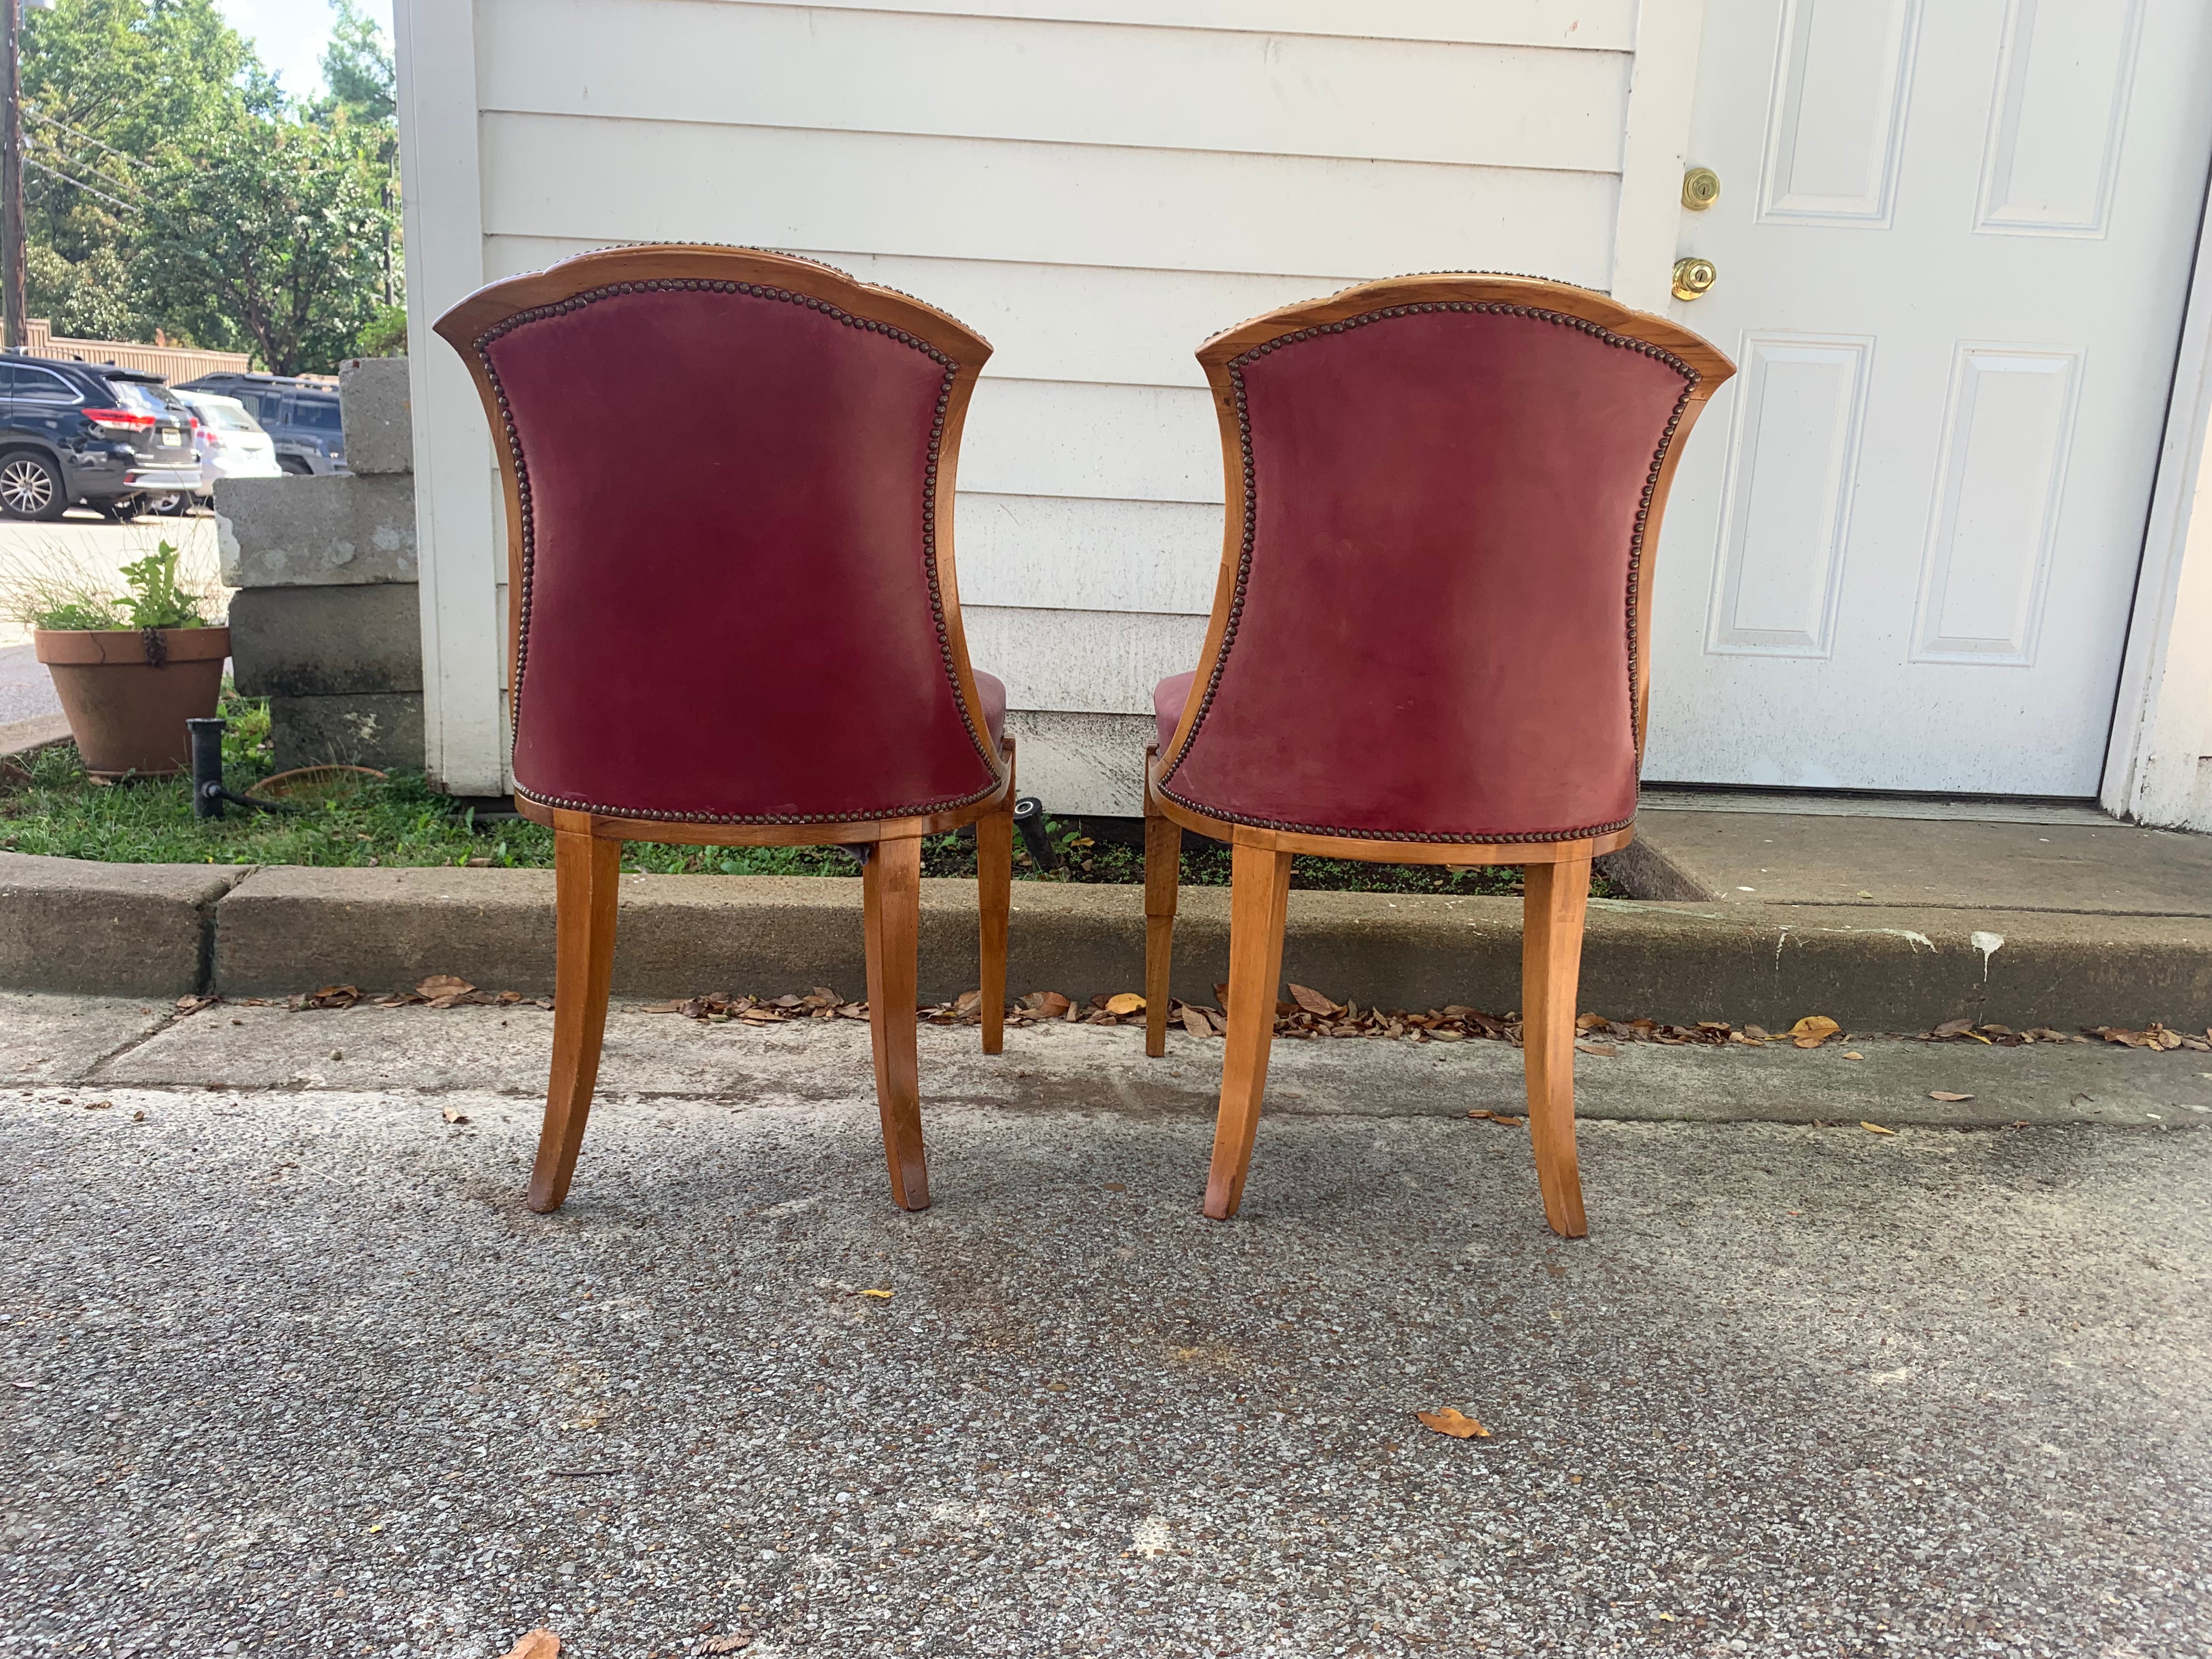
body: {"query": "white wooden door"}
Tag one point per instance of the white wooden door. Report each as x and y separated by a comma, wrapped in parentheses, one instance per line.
(1953, 240)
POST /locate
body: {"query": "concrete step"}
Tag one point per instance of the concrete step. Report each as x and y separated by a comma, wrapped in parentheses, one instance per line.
(2066, 860)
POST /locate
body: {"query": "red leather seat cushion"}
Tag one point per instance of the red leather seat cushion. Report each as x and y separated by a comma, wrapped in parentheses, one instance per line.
(729, 610)
(1432, 640)
(1168, 699)
(993, 691)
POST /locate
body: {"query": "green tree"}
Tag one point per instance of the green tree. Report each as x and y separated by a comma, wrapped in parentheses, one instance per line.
(268, 234)
(171, 185)
(357, 68)
(106, 82)
(364, 97)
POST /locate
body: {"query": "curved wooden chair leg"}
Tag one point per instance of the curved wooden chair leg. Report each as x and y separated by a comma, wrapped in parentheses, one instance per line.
(994, 883)
(891, 898)
(1557, 898)
(586, 877)
(1163, 872)
(1259, 899)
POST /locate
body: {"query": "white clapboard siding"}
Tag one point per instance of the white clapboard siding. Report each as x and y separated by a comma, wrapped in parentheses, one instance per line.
(1081, 662)
(1081, 762)
(565, 175)
(1068, 83)
(1137, 443)
(1597, 25)
(1045, 322)
(1048, 553)
(1096, 186)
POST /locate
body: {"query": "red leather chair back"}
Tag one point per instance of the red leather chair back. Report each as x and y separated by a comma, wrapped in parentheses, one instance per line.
(731, 476)
(1429, 624)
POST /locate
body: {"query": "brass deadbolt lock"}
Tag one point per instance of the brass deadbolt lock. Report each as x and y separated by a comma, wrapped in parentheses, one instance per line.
(1693, 277)
(1701, 188)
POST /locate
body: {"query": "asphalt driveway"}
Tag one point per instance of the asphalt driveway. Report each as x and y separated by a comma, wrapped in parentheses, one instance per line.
(288, 1369)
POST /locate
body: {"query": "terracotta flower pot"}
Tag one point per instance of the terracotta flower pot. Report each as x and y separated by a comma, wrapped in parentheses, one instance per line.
(127, 694)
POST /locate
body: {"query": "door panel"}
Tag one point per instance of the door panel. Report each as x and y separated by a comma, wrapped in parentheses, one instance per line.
(1953, 244)
(1836, 110)
(1796, 458)
(1996, 505)
(2064, 76)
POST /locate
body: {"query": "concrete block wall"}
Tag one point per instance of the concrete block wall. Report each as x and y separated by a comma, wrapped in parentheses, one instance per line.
(327, 622)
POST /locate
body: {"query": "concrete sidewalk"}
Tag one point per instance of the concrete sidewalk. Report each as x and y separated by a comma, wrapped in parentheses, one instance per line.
(294, 1373)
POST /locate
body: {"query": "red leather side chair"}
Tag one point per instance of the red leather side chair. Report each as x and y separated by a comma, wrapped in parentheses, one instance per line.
(732, 616)
(1428, 639)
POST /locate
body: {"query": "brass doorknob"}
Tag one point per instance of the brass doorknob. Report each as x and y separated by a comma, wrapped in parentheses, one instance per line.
(1701, 188)
(1693, 277)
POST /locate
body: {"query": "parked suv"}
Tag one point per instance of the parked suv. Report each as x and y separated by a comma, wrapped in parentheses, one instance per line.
(74, 432)
(300, 415)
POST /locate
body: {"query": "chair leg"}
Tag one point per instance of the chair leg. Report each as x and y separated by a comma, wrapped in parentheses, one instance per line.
(586, 874)
(1162, 870)
(1259, 898)
(995, 882)
(892, 895)
(1551, 969)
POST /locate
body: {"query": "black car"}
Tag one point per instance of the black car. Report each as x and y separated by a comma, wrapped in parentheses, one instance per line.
(301, 415)
(73, 432)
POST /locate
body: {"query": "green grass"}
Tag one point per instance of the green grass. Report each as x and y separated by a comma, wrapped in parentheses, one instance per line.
(49, 804)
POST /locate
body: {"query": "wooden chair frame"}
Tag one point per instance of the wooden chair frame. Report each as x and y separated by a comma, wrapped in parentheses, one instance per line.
(587, 846)
(1557, 872)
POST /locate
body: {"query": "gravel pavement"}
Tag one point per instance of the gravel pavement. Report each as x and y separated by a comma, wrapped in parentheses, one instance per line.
(288, 1369)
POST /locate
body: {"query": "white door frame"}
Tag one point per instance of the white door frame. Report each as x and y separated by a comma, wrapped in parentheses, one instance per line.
(2158, 763)
(1662, 92)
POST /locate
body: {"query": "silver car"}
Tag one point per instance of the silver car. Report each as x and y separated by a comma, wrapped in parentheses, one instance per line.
(231, 445)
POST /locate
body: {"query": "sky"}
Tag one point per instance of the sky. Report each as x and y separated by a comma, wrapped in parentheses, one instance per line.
(290, 35)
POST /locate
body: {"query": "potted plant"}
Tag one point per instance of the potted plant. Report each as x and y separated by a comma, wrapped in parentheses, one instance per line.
(130, 671)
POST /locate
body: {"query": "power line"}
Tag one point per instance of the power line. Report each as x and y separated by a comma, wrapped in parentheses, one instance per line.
(31, 110)
(36, 166)
(56, 154)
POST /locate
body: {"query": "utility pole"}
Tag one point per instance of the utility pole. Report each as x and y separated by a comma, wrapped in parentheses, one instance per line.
(12, 295)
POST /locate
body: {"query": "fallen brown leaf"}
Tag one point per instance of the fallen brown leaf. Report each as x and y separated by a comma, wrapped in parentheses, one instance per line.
(1875, 1128)
(1853, 1054)
(1812, 1030)
(537, 1645)
(454, 1114)
(1311, 1000)
(1454, 1422)
(1125, 1002)
(1195, 1023)
(445, 985)
(1945, 1094)
(1952, 1028)
(729, 1643)
(1596, 1049)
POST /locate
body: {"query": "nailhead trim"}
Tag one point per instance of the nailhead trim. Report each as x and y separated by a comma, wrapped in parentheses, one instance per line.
(775, 252)
(1236, 366)
(482, 345)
